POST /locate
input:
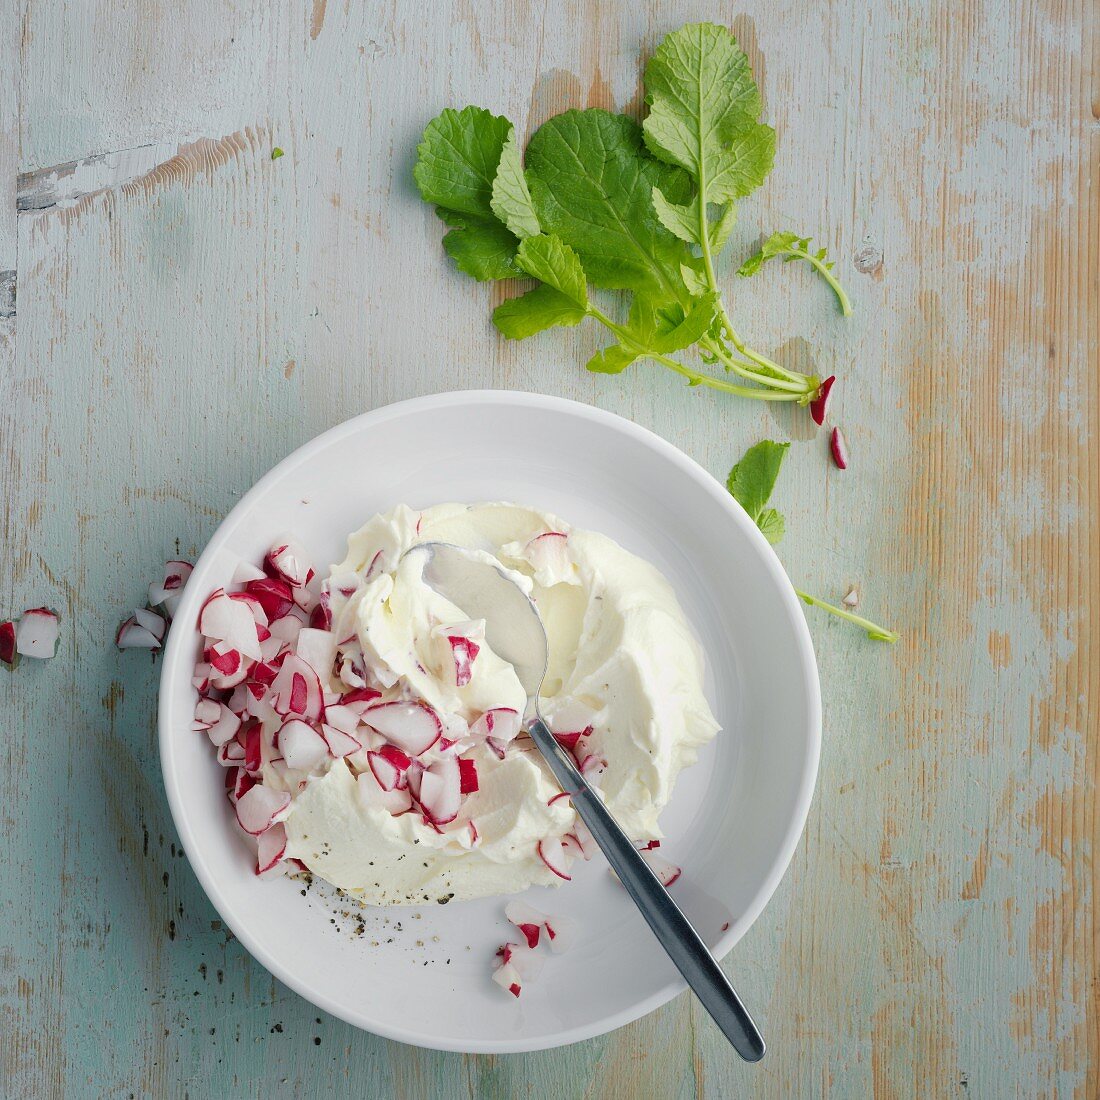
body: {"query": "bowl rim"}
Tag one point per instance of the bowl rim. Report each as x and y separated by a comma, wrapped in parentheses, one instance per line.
(171, 681)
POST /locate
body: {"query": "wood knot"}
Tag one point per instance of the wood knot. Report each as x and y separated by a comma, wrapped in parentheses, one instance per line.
(868, 260)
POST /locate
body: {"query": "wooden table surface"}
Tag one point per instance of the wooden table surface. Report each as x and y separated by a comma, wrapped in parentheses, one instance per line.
(178, 311)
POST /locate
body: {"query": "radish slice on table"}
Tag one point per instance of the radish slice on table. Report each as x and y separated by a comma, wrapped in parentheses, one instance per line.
(414, 727)
(168, 592)
(838, 445)
(7, 642)
(132, 635)
(260, 807)
(37, 633)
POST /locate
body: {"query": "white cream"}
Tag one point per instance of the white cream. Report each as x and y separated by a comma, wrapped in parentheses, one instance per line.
(623, 660)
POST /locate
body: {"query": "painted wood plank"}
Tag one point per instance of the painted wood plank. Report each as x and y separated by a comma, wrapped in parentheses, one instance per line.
(190, 312)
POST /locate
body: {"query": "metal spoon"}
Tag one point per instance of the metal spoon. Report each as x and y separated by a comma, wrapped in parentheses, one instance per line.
(514, 630)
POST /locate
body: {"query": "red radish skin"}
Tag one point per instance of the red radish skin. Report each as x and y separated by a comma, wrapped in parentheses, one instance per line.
(820, 404)
(7, 642)
(253, 752)
(496, 746)
(838, 446)
(569, 740)
(467, 771)
(275, 596)
(558, 796)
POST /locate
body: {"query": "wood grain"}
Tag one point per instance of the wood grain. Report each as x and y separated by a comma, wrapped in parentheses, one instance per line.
(178, 311)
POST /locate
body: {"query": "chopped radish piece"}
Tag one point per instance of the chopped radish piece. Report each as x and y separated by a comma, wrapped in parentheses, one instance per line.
(289, 563)
(223, 659)
(852, 599)
(414, 727)
(496, 746)
(275, 596)
(572, 846)
(271, 848)
(297, 690)
(207, 712)
(527, 919)
(467, 771)
(247, 572)
(317, 648)
(321, 616)
(223, 619)
(238, 782)
(360, 698)
(560, 795)
(154, 623)
(169, 592)
(131, 635)
(37, 633)
(508, 977)
(458, 641)
(820, 403)
(387, 774)
(254, 606)
(225, 728)
(342, 717)
(553, 855)
(503, 723)
(527, 961)
(232, 752)
(569, 740)
(838, 445)
(440, 792)
(667, 872)
(585, 839)
(7, 642)
(286, 628)
(593, 766)
(561, 932)
(252, 737)
(413, 775)
(260, 807)
(339, 743)
(303, 748)
(396, 757)
(548, 554)
(395, 802)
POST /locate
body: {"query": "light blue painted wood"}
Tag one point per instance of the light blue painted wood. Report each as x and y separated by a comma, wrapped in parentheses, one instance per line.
(200, 315)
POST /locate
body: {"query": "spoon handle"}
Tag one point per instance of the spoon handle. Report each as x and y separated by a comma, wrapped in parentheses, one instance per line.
(669, 925)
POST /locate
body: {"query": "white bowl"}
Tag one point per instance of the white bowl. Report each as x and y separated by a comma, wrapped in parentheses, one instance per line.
(735, 817)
